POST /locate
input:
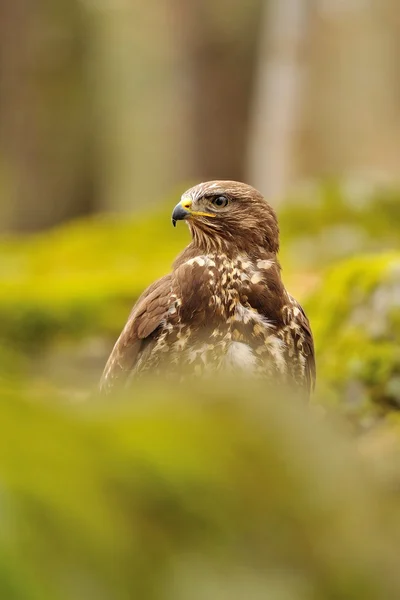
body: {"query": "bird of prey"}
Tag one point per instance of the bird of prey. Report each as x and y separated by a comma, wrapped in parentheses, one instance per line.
(223, 306)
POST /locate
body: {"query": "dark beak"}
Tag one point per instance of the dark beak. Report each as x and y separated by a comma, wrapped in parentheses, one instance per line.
(179, 213)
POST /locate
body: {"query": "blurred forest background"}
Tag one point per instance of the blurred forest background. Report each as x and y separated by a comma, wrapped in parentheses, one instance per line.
(107, 105)
(109, 110)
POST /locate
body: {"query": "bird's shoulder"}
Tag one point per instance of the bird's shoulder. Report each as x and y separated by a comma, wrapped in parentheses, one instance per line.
(178, 297)
(145, 317)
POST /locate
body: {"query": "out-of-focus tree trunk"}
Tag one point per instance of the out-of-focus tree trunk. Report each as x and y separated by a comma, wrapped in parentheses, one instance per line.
(220, 44)
(277, 96)
(173, 83)
(45, 165)
(326, 100)
(351, 118)
(139, 112)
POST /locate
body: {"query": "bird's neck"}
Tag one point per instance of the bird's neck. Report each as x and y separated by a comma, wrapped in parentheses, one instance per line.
(235, 254)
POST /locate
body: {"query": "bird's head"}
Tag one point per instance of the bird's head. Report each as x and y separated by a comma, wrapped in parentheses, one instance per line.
(228, 212)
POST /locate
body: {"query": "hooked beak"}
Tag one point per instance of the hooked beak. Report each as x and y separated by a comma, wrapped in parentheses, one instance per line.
(181, 211)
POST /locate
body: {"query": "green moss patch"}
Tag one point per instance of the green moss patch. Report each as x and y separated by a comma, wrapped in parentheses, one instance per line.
(81, 278)
(356, 320)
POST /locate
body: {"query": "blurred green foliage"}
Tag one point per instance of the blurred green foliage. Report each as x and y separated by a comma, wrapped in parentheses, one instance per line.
(223, 494)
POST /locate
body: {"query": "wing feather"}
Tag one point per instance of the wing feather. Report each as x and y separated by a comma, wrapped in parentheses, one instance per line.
(273, 302)
(146, 316)
(307, 344)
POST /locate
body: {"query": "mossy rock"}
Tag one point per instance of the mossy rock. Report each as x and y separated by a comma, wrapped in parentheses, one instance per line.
(355, 315)
(329, 220)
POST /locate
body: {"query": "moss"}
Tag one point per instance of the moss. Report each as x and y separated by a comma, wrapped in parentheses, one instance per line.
(355, 316)
(81, 278)
(220, 494)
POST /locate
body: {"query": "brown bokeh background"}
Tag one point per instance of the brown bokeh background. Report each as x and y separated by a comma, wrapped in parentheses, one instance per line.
(109, 105)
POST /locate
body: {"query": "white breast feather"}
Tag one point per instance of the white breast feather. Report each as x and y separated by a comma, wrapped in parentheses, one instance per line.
(240, 356)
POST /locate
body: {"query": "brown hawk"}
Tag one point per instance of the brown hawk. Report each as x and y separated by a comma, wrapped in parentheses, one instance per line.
(223, 306)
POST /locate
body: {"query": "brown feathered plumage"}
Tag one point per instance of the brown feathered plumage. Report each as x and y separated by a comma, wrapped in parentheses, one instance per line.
(224, 305)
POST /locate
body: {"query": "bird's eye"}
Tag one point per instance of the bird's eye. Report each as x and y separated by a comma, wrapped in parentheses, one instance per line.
(220, 201)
